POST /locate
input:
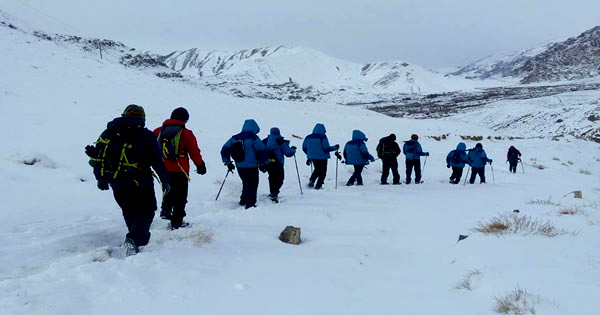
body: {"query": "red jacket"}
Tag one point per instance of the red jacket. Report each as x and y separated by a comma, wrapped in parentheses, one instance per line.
(188, 147)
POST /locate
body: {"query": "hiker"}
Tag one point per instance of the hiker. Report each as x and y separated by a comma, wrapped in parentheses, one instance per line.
(317, 148)
(513, 156)
(477, 159)
(457, 160)
(277, 149)
(413, 152)
(178, 144)
(121, 159)
(357, 155)
(388, 151)
(248, 152)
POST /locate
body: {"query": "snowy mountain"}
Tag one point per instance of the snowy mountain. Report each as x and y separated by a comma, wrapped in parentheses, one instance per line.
(307, 67)
(573, 59)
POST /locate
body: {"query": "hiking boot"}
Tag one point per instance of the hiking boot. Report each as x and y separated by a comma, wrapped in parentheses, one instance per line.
(397, 183)
(130, 247)
(407, 182)
(165, 214)
(176, 226)
(250, 206)
(384, 183)
(311, 183)
(274, 198)
(318, 187)
(349, 183)
(242, 203)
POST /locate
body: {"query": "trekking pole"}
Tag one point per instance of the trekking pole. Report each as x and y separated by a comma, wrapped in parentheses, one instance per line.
(336, 168)
(493, 177)
(522, 168)
(424, 164)
(468, 170)
(223, 184)
(298, 173)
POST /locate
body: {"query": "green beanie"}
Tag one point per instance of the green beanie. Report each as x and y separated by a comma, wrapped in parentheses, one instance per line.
(134, 111)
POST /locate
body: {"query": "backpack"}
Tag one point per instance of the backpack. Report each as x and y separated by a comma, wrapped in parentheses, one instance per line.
(168, 141)
(411, 149)
(383, 151)
(512, 154)
(238, 153)
(270, 153)
(117, 156)
(456, 158)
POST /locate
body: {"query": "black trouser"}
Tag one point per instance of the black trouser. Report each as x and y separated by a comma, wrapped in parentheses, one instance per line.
(357, 175)
(456, 174)
(138, 206)
(512, 165)
(174, 202)
(390, 163)
(475, 171)
(416, 164)
(249, 178)
(319, 173)
(276, 175)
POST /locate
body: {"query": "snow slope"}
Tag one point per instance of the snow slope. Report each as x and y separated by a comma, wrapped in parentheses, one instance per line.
(366, 250)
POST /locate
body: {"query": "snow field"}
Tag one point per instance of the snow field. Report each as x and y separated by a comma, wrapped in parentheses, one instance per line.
(367, 250)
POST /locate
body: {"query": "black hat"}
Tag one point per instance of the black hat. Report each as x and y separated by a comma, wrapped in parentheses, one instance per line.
(181, 114)
(479, 145)
(392, 136)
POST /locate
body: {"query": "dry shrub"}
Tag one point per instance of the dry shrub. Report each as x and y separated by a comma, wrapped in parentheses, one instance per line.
(515, 223)
(584, 171)
(517, 302)
(198, 237)
(555, 159)
(544, 202)
(570, 162)
(467, 282)
(538, 166)
(572, 210)
(594, 222)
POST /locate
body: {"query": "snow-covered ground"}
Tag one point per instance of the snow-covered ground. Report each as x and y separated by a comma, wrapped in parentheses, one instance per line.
(367, 250)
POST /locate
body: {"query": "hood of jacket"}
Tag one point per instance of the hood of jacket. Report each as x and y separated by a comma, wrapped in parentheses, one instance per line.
(125, 122)
(461, 147)
(319, 129)
(275, 132)
(250, 125)
(358, 135)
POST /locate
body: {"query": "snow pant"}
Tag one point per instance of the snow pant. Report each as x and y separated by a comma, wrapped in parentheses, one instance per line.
(174, 202)
(456, 175)
(319, 173)
(138, 206)
(276, 175)
(475, 171)
(512, 166)
(249, 178)
(390, 163)
(416, 164)
(357, 175)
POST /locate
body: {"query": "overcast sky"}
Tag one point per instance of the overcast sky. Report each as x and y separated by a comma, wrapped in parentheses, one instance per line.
(430, 33)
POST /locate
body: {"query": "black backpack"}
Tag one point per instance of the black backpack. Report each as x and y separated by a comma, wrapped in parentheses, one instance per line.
(116, 156)
(238, 153)
(168, 141)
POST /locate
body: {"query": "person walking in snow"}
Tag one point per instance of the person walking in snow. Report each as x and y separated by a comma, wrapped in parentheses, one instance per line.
(277, 149)
(413, 152)
(513, 156)
(317, 149)
(477, 158)
(457, 160)
(388, 151)
(357, 155)
(248, 152)
(178, 144)
(122, 158)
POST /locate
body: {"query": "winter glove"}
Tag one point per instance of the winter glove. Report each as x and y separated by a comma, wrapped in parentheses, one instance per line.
(102, 185)
(201, 169)
(372, 159)
(336, 147)
(166, 188)
(294, 148)
(230, 167)
(490, 160)
(263, 168)
(426, 153)
(338, 155)
(448, 165)
(90, 151)
(308, 162)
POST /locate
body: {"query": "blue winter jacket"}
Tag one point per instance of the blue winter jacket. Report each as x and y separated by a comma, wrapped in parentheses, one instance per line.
(461, 150)
(254, 149)
(412, 150)
(355, 151)
(316, 145)
(278, 151)
(477, 158)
